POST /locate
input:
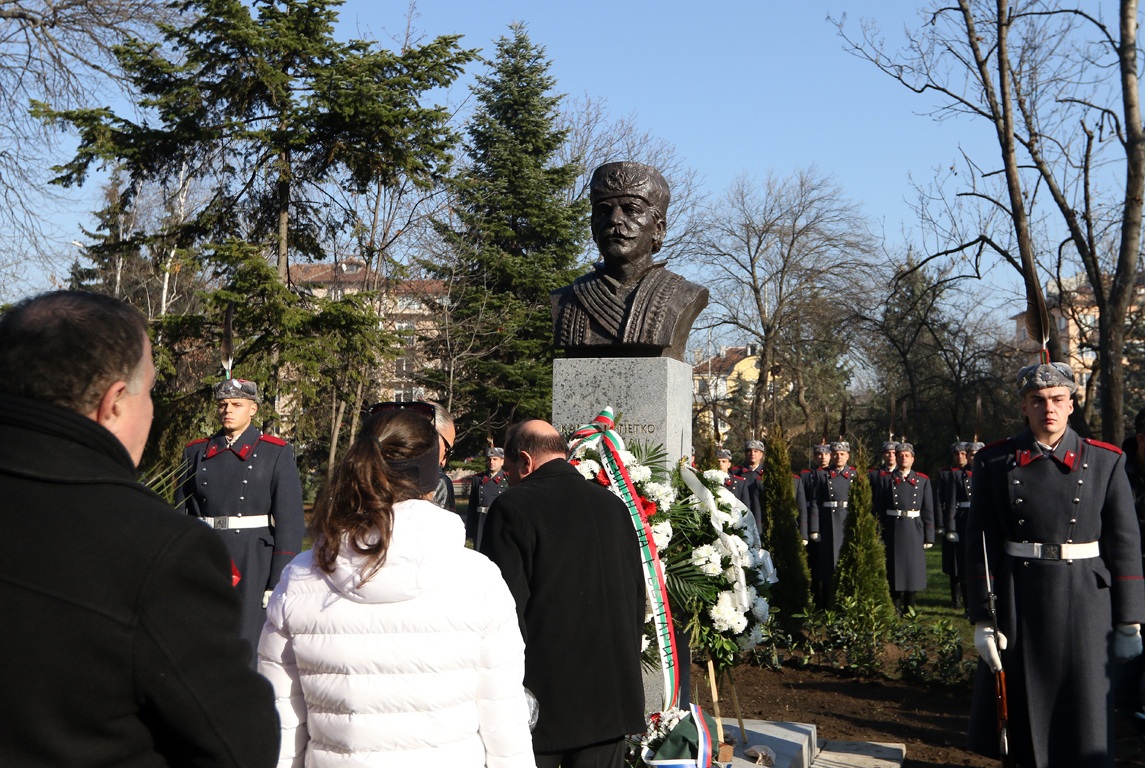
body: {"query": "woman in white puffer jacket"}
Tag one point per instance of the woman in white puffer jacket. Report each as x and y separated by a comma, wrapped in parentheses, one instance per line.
(390, 643)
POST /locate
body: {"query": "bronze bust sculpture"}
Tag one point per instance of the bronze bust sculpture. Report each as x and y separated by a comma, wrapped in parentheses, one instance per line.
(629, 305)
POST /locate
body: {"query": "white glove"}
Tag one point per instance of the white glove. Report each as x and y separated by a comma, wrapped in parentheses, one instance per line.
(952, 536)
(266, 597)
(1127, 642)
(805, 542)
(989, 644)
(928, 545)
(815, 537)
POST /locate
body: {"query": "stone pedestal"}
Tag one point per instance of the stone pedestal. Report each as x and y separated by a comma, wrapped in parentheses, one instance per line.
(652, 398)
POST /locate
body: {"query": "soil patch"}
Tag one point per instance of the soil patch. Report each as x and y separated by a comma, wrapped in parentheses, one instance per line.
(930, 720)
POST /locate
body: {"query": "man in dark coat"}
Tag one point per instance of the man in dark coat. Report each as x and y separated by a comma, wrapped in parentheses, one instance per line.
(569, 553)
(245, 485)
(890, 461)
(827, 513)
(952, 503)
(1054, 512)
(904, 506)
(750, 473)
(810, 479)
(120, 641)
(484, 488)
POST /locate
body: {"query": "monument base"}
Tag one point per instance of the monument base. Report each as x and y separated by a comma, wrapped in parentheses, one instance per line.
(652, 398)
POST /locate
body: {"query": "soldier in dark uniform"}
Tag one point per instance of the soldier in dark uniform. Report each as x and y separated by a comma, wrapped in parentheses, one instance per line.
(827, 512)
(904, 506)
(484, 487)
(810, 479)
(750, 490)
(952, 502)
(890, 461)
(245, 485)
(1055, 514)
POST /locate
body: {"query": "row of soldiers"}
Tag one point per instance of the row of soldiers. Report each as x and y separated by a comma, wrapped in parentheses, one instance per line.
(911, 509)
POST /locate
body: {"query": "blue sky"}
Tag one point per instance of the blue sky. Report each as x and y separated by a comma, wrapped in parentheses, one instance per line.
(737, 87)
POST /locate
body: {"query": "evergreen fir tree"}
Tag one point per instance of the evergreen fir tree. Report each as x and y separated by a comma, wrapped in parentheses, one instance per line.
(862, 570)
(792, 593)
(514, 239)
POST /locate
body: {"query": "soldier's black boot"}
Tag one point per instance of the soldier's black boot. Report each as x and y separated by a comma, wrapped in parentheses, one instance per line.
(955, 594)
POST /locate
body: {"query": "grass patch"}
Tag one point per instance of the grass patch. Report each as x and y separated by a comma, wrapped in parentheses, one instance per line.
(935, 599)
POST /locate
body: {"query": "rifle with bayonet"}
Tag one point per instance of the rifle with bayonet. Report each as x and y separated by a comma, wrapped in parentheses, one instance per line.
(1000, 675)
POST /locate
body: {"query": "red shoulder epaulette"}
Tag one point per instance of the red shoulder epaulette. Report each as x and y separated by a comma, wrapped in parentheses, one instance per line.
(272, 440)
(196, 442)
(804, 472)
(1106, 446)
(924, 477)
(996, 442)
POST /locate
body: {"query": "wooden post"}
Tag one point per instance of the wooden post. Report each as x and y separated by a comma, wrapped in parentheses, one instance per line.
(739, 714)
(715, 700)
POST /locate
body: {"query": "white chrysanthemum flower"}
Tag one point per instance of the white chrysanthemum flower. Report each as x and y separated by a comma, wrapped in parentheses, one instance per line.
(716, 476)
(581, 450)
(645, 641)
(588, 469)
(626, 457)
(760, 609)
(725, 617)
(750, 640)
(639, 473)
(660, 494)
(707, 559)
(662, 533)
(726, 497)
(766, 567)
(722, 548)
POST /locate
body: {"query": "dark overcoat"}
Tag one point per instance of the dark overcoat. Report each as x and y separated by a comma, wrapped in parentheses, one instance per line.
(904, 536)
(827, 513)
(120, 643)
(255, 476)
(484, 488)
(954, 496)
(750, 491)
(801, 505)
(1058, 615)
(569, 553)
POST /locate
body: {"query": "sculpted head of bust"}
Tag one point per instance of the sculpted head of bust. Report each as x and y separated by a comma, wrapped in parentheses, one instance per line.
(628, 305)
(629, 216)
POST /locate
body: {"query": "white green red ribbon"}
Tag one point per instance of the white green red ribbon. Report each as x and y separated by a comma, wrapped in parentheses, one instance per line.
(601, 435)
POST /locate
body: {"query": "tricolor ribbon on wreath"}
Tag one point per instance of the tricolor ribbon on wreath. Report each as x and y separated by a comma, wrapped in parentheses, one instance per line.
(600, 435)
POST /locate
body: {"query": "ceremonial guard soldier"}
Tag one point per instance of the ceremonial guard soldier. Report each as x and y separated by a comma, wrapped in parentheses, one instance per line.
(810, 479)
(904, 505)
(750, 490)
(483, 489)
(245, 485)
(827, 512)
(952, 503)
(890, 461)
(1052, 520)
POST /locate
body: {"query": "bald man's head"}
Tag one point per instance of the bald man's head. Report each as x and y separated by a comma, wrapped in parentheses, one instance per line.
(529, 445)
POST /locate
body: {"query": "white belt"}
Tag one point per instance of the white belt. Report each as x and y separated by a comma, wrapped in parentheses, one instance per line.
(248, 521)
(1053, 551)
(964, 505)
(834, 504)
(903, 512)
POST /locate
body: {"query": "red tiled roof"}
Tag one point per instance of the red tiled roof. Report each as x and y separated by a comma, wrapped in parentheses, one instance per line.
(720, 366)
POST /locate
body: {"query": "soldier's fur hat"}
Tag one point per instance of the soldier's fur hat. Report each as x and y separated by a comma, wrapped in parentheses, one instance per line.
(1046, 376)
(905, 448)
(753, 445)
(629, 179)
(841, 445)
(958, 447)
(236, 389)
(889, 445)
(723, 453)
(494, 453)
(974, 447)
(822, 448)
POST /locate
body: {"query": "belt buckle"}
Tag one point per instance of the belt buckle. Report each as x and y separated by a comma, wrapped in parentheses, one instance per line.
(221, 523)
(1051, 552)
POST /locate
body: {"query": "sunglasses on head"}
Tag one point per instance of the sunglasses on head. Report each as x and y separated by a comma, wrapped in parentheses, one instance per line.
(417, 406)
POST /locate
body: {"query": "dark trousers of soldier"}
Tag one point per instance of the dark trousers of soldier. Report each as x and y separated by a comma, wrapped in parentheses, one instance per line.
(904, 600)
(957, 593)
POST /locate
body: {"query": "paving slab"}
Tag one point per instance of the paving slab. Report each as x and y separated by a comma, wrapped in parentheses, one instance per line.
(859, 754)
(794, 744)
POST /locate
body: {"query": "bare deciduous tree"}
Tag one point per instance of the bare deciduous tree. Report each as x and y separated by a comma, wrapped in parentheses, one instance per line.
(772, 253)
(1059, 88)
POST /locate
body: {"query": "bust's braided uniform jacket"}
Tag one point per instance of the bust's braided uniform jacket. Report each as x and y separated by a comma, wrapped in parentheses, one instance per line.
(255, 476)
(1058, 615)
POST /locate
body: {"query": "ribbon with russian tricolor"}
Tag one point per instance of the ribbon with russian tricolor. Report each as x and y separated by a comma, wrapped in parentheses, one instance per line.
(601, 435)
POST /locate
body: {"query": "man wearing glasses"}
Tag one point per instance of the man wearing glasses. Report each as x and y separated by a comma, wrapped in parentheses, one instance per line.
(1054, 514)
